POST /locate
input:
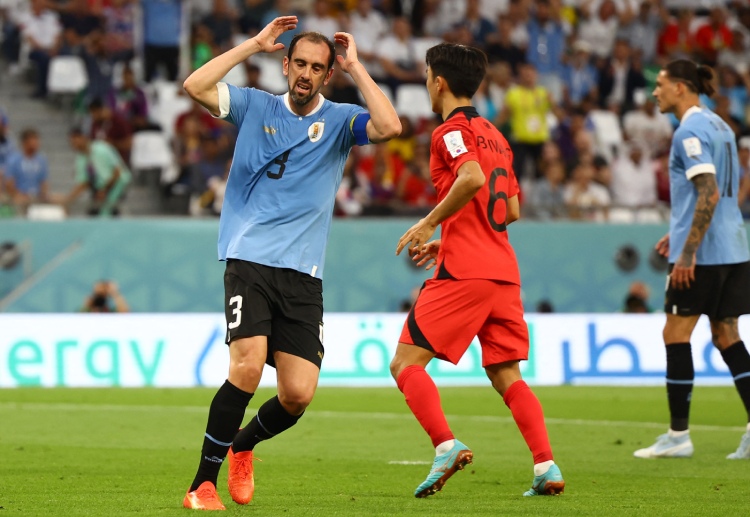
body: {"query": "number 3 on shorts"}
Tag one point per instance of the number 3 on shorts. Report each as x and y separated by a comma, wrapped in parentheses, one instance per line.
(237, 311)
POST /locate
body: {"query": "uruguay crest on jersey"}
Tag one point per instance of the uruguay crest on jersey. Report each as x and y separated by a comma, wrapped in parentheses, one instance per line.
(315, 131)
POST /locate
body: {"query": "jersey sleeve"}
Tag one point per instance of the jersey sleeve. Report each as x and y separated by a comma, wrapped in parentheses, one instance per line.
(235, 102)
(455, 146)
(694, 151)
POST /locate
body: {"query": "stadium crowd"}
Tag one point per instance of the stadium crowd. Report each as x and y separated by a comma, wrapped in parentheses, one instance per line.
(569, 84)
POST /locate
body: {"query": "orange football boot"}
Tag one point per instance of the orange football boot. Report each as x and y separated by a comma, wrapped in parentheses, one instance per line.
(204, 497)
(240, 480)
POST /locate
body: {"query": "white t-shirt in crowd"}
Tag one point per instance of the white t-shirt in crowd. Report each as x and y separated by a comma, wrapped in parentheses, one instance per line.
(633, 184)
(43, 29)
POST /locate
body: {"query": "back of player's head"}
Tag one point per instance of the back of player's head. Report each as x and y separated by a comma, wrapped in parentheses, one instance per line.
(462, 67)
(314, 37)
(698, 78)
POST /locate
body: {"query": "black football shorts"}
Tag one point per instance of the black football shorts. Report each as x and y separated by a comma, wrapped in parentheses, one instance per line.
(283, 304)
(721, 291)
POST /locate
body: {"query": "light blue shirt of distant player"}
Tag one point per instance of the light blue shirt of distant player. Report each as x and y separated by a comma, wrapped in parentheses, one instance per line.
(284, 176)
(704, 144)
(28, 172)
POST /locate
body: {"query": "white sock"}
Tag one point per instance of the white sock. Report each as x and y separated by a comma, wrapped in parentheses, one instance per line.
(542, 468)
(677, 434)
(444, 447)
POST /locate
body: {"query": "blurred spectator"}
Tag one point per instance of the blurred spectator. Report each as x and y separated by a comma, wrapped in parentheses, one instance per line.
(713, 36)
(722, 108)
(547, 197)
(403, 145)
(83, 16)
(544, 307)
(7, 144)
(486, 104)
(221, 22)
(443, 16)
(211, 164)
(565, 134)
(351, 195)
(187, 147)
(518, 15)
(646, 124)
(71, 44)
(734, 87)
(500, 45)
(370, 26)
(252, 13)
(111, 127)
(341, 89)
(619, 78)
(585, 198)
(599, 24)
(381, 172)
(105, 297)
(26, 172)
(527, 106)
(162, 31)
(642, 33)
(208, 124)
(129, 102)
(633, 176)
(661, 169)
(546, 45)
(281, 8)
(119, 23)
(41, 30)
(212, 199)
(636, 300)
(479, 27)
(100, 169)
(737, 55)
(415, 188)
(580, 77)
(676, 40)
(99, 65)
(203, 47)
(397, 57)
(320, 20)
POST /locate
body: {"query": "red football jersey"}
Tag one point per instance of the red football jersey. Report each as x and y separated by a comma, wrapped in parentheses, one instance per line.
(474, 240)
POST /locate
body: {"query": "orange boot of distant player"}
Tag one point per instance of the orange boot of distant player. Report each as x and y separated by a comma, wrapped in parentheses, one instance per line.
(204, 497)
(241, 482)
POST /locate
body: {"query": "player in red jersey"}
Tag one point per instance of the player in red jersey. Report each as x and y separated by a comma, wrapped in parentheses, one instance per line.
(476, 287)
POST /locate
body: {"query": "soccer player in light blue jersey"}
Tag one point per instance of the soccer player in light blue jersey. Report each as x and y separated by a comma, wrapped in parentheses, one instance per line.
(274, 226)
(707, 248)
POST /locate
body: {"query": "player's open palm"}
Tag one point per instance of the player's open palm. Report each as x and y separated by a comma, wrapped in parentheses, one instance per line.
(346, 40)
(427, 255)
(267, 37)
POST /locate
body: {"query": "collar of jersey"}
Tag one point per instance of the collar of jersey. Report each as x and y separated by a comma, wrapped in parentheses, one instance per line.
(321, 101)
(690, 111)
(469, 110)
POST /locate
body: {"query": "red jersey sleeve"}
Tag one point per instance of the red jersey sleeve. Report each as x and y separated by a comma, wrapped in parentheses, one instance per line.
(455, 146)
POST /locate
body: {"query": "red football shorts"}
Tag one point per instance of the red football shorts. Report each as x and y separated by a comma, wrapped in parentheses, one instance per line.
(448, 314)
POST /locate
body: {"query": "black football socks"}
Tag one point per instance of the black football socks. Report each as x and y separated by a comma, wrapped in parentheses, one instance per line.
(224, 418)
(738, 361)
(271, 420)
(680, 375)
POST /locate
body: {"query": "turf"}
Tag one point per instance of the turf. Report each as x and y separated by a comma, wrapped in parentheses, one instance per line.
(122, 452)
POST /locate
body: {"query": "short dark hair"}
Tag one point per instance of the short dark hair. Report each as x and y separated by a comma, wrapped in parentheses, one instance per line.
(696, 77)
(315, 37)
(462, 67)
(76, 131)
(96, 104)
(29, 133)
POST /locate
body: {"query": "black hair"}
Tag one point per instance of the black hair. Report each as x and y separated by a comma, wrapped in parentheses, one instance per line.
(697, 78)
(315, 37)
(29, 133)
(96, 104)
(76, 131)
(462, 67)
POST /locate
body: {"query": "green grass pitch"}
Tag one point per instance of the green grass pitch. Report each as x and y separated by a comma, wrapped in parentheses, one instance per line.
(134, 452)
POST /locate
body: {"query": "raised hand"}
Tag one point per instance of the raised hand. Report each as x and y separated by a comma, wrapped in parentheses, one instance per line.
(346, 40)
(266, 38)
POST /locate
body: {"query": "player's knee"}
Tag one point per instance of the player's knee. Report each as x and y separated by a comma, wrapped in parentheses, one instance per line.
(244, 373)
(295, 402)
(397, 366)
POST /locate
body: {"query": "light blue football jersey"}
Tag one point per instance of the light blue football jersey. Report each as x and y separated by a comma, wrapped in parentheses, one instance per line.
(703, 143)
(283, 180)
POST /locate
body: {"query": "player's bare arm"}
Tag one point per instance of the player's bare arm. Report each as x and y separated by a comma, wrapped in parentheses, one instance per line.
(201, 84)
(469, 180)
(384, 123)
(513, 210)
(708, 196)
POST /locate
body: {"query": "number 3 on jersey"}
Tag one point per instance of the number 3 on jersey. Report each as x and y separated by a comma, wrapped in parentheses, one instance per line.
(281, 162)
(237, 311)
(494, 198)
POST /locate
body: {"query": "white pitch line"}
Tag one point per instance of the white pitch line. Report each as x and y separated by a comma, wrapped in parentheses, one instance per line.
(394, 462)
(31, 406)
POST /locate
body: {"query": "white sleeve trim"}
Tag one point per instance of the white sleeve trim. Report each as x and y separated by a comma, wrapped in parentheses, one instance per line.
(223, 90)
(701, 168)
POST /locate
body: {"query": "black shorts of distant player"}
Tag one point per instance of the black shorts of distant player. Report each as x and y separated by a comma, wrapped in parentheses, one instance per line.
(720, 291)
(283, 304)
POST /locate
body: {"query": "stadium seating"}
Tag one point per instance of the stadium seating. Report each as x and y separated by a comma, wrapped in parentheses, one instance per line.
(271, 77)
(236, 76)
(150, 151)
(67, 75)
(413, 101)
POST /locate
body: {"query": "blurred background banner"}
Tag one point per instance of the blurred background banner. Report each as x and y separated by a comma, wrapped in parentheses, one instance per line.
(183, 350)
